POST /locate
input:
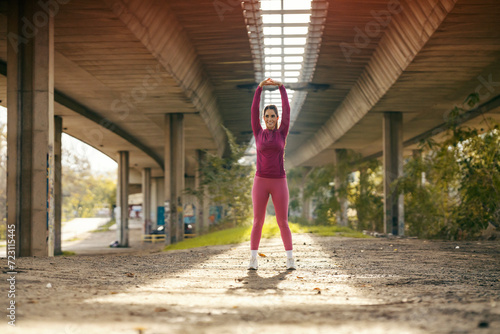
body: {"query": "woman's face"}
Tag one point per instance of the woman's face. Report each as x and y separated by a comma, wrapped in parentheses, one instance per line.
(271, 119)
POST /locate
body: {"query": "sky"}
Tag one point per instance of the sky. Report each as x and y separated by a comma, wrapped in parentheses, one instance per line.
(98, 161)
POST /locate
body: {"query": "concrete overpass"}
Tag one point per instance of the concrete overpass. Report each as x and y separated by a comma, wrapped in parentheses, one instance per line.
(150, 83)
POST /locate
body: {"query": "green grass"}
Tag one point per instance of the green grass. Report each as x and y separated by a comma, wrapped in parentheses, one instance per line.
(327, 230)
(66, 253)
(105, 227)
(270, 230)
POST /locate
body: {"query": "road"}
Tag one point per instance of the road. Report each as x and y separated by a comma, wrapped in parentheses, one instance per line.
(72, 232)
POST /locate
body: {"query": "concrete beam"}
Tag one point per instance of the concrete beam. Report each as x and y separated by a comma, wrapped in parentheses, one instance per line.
(30, 123)
(170, 44)
(405, 36)
(107, 124)
(77, 107)
(393, 168)
(443, 127)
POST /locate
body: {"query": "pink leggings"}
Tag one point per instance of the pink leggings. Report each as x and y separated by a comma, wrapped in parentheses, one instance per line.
(278, 189)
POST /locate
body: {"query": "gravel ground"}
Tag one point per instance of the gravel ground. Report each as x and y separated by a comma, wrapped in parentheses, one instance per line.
(342, 285)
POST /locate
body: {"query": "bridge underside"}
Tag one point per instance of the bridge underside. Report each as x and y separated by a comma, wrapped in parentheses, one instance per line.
(427, 60)
(151, 83)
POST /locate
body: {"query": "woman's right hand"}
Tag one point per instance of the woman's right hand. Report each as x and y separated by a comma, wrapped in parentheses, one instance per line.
(267, 82)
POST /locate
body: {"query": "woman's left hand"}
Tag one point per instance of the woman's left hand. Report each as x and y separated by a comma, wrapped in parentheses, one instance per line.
(276, 83)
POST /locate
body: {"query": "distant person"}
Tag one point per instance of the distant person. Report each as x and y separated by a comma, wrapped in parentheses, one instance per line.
(270, 178)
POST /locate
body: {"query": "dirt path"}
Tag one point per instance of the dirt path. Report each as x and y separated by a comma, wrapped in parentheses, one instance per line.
(341, 286)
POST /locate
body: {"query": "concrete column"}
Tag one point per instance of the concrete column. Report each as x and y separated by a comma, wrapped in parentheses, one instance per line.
(178, 171)
(393, 168)
(306, 201)
(206, 211)
(57, 185)
(204, 200)
(146, 200)
(160, 195)
(169, 229)
(197, 200)
(306, 207)
(122, 198)
(154, 202)
(30, 125)
(174, 177)
(340, 184)
(417, 155)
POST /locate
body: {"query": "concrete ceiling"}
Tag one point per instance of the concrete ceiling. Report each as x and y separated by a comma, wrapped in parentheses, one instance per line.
(428, 59)
(132, 62)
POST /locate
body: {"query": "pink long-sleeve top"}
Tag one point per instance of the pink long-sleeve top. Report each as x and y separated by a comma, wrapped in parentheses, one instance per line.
(271, 143)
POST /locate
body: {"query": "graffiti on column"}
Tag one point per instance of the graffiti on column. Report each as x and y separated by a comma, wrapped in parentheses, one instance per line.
(180, 222)
(166, 220)
(50, 202)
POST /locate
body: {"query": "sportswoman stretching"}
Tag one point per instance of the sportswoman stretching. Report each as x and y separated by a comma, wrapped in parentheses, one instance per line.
(270, 178)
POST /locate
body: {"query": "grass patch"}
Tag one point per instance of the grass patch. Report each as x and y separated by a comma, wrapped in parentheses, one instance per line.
(66, 253)
(240, 234)
(327, 230)
(105, 227)
(233, 235)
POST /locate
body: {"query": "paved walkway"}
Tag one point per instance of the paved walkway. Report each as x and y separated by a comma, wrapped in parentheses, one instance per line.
(97, 243)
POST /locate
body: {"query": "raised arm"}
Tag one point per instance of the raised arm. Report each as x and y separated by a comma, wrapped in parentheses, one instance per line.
(285, 116)
(256, 127)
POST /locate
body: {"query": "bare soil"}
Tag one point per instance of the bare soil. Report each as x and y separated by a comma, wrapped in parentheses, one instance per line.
(342, 285)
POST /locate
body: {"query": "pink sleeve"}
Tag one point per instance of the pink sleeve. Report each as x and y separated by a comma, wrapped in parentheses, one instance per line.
(285, 116)
(256, 127)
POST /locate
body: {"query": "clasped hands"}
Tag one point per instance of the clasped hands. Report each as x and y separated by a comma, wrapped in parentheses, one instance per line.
(270, 82)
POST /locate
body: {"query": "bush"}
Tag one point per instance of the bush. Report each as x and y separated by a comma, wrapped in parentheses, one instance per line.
(461, 193)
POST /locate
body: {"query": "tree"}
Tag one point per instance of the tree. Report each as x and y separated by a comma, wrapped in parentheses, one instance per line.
(462, 192)
(84, 191)
(228, 182)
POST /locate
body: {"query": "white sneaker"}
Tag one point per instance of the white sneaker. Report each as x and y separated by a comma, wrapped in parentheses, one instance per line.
(253, 264)
(290, 264)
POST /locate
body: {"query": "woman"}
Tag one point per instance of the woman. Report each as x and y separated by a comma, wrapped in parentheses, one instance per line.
(270, 178)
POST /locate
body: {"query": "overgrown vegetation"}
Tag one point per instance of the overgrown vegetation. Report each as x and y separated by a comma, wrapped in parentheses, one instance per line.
(461, 191)
(105, 227)
(363, 190)
(451, 190)
(228, 183)
(84, 191)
